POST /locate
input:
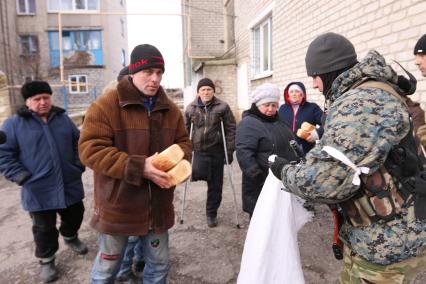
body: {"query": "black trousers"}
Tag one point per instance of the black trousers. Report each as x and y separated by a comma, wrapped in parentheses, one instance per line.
(45, 232)
(214, 184)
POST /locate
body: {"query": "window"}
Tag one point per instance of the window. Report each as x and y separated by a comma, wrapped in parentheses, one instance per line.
(72, 5)
(122, 27)
(28, 45)
(76, 40)
(262, 47)
(25, 6)
(78, 84)
(83, 42)
(123, 57)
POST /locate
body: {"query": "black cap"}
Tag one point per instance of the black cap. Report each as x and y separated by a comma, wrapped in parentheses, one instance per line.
(145, 56)
(205, 82)
(123, 72)
(420, 46)
(34, 88)
(329, 52)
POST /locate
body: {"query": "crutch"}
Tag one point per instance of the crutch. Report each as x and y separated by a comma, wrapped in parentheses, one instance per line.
(229, 172)
(187, 181)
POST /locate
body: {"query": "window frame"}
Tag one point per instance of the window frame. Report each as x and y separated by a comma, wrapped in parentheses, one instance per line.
(27, 7)
(263, 49)
(73, 5)
(33, 44)
(78, 85)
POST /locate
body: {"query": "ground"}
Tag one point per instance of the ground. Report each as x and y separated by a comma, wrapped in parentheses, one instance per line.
(199, 255)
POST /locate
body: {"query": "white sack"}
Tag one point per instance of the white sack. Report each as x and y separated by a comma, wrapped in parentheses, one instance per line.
(271, 252)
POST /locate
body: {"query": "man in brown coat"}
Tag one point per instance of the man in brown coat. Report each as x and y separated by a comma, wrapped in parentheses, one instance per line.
(123, 131)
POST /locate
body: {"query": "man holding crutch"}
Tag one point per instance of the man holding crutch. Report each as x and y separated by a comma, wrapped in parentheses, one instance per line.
(203, 117)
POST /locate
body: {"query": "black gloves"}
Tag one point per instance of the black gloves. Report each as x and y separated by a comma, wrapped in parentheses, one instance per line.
(277, 166)
(230, 158)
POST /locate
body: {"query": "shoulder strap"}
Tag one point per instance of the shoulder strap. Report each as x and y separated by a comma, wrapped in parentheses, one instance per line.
(384, 86)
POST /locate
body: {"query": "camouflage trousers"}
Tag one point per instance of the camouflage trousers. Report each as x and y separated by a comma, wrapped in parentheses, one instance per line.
(357, 270)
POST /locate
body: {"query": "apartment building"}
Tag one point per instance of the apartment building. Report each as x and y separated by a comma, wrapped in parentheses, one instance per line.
(78, 46)
(270, 38)
(209, 47)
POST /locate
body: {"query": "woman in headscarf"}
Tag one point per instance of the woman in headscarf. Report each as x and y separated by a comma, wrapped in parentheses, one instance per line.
(260, 134)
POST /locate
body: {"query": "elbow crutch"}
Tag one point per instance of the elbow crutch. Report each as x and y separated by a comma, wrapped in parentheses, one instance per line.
(229, 172)
(187, 181)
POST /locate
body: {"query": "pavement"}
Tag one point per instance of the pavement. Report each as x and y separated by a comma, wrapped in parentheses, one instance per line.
(199, 254)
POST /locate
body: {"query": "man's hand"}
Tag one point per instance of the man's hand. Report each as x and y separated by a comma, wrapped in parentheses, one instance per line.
(313, 136)
(160, 178)
(277, 166)
(421, 133)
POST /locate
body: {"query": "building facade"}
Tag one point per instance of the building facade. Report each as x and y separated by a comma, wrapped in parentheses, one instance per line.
(92, 35)
(271, 38)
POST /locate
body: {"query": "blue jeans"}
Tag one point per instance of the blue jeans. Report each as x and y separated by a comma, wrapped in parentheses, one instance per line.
(133, 248)
(155, 248)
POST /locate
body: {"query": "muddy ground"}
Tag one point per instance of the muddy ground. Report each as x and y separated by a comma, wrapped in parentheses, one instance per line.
(199, 255)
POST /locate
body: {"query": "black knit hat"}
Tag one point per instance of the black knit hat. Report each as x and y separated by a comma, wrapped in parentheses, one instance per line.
(123, 72)
(329, 52)
(205, 82)
(145, 56)
(33, 88)
(420, 47)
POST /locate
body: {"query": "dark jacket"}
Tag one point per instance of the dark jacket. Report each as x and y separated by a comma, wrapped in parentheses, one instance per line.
(118, 134)
(43, 158)
(307, 112)
(206, 131)
(257, 138)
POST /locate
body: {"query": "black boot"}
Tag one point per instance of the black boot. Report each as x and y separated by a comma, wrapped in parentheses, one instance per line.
(48, 272)
(211, 221)
(77, 246)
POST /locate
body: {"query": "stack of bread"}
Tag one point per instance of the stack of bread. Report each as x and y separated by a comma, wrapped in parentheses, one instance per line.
(305, 130)
(171, 161)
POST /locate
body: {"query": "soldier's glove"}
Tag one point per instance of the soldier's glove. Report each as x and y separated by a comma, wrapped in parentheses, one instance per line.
(421, 133)
(277, 164)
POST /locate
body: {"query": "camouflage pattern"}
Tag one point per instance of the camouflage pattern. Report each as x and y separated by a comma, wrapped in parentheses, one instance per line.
(357, 270)
(364, 124)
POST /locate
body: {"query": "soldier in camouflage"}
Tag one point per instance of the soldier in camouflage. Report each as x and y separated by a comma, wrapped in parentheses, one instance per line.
(363, 124)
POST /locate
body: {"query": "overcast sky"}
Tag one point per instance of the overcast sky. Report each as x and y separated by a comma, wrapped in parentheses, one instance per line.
(163, 31)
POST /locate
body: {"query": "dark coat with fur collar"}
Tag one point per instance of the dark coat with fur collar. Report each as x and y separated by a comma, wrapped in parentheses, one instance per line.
(43, 158)
(118, 135)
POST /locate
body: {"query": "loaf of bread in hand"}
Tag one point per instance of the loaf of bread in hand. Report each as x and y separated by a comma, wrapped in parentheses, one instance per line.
(180, 172)
(305, 130)
(168, 158)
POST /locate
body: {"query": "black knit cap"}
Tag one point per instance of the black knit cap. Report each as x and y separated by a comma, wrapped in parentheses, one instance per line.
(123, 72)
(33, 88)
(420, 47)
(205, 82)
(329, 52)
(145, 56)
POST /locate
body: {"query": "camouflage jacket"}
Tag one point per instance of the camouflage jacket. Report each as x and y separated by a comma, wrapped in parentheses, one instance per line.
(364, 124)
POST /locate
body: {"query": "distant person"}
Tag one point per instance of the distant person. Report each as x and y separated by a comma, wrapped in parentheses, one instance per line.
(260, 134)
(206, 115)
(123, 131)
(41, 155)
(297, 110)
(420, 61)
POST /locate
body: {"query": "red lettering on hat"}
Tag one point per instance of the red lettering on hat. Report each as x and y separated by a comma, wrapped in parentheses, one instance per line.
(138, 63)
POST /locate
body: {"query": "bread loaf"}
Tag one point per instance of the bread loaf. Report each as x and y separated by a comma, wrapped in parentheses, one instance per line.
(180, 172)
(305, 130)
(168, 158)
(306, 126)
